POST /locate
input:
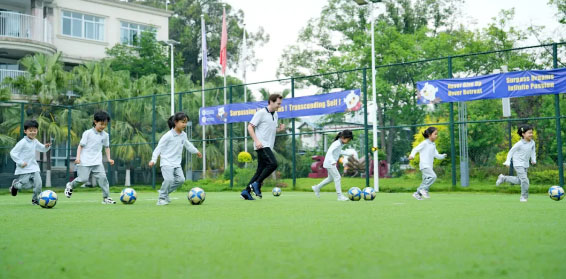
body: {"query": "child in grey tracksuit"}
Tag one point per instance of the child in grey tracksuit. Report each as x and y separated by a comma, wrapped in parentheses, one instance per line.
(89, 157)
(428, 152)
(27, 169)
(330, 161)
(170, 148)
(520, 154)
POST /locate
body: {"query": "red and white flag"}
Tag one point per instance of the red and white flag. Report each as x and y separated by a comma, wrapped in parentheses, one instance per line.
(223, 43)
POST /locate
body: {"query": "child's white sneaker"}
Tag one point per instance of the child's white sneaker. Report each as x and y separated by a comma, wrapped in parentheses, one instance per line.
(316, 191)
(108, 201)
(68, 190)
(417, 196)
(342, 198)
(162, 202)
(523, 199)
(424, 194)
(500, 179)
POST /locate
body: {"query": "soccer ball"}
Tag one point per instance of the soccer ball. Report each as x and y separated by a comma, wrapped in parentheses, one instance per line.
(196, 196)
(556, 193)
(276, 191)
(368, 193)
(47, 199)
(128, 196)
(354, 194)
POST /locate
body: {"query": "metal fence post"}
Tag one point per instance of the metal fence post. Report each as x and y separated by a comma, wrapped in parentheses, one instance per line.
(231, 148)
(21, 121)
(365, 89)
(452, 141)
(110, 174)
(153, 138)
(557, 115)
(69, 143)
(180, 102)
(294, 170)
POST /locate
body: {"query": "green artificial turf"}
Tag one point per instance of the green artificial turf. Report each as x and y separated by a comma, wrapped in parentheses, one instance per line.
(452, 235)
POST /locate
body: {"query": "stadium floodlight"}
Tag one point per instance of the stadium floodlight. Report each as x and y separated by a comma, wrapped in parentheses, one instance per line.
(374, 148)
(171, 44)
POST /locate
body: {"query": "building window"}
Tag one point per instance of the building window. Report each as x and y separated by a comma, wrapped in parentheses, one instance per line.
(83, 26)
(130, 33)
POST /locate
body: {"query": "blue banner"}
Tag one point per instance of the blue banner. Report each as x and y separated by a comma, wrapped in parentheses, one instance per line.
(328, 103)
(495, 86)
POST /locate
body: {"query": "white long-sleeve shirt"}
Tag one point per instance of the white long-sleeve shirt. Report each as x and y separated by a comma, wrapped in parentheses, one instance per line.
(333, 154)
(428, 152)
(24, 152)
(170, 147)
(521, 152)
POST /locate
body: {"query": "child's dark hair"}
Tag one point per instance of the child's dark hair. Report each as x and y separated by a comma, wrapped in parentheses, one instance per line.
(523, 129)
(176, 117)
(429, 132)
(347, 134)
(100, 116)
(30, 124)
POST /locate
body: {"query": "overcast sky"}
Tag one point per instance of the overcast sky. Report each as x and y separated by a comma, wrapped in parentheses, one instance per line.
(282, 20)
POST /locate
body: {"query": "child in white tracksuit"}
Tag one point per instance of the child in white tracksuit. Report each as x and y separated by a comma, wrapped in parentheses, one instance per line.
(428, 152)
(170, 147)
(89, 157)
(521, 153)
(27, 169)
(330, 161)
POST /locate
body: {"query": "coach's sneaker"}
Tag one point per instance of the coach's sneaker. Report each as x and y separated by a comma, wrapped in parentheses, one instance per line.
(417, 196)
(523, 199)
(342, 198)
(500, 179)
(246, 195)
(13, 189)
(424, 193)
(316, 191)
(68, 190)
(34, 202)
(255, 188)
(108, 201)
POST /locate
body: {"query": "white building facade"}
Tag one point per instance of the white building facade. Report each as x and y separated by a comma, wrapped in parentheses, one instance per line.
(81, 29)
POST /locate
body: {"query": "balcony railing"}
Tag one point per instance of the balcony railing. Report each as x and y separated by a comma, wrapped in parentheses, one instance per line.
(24, 26)
(12, 74)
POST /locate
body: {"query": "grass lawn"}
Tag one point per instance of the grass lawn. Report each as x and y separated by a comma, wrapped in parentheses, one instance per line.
(452, 235)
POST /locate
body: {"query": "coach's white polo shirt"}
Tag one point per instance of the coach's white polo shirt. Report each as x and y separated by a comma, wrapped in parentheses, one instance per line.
(265, 124)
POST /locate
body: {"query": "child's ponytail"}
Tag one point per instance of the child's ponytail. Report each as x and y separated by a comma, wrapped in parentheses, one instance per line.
(347, 134)
(429, 132)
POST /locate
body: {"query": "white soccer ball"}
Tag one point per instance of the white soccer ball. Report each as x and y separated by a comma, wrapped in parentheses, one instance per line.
(47, 199)
(128, 196)
(196, 196)
(368, 193)
(556, 193)
(354, 194)
(276, 191)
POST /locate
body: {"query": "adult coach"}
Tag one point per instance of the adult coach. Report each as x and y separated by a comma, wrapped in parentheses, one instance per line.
(262, 129)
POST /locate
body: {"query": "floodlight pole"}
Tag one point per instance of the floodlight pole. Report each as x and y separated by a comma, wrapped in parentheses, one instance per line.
(375, 155)
(171, 44)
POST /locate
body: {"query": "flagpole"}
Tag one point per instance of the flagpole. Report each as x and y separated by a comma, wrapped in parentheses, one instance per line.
(245, 91)
(225, 125)
(202, 95)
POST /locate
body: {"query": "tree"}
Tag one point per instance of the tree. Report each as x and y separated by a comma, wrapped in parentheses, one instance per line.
(184, 27)
(145, 57)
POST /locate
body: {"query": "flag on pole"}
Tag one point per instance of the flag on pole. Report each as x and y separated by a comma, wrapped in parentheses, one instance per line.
(223, 43)
(204, 51)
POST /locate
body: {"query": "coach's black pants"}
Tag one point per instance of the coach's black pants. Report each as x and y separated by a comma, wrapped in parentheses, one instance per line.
(266, 164)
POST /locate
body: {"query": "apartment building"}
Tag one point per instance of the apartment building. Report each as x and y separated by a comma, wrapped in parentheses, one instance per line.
(81, 29)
